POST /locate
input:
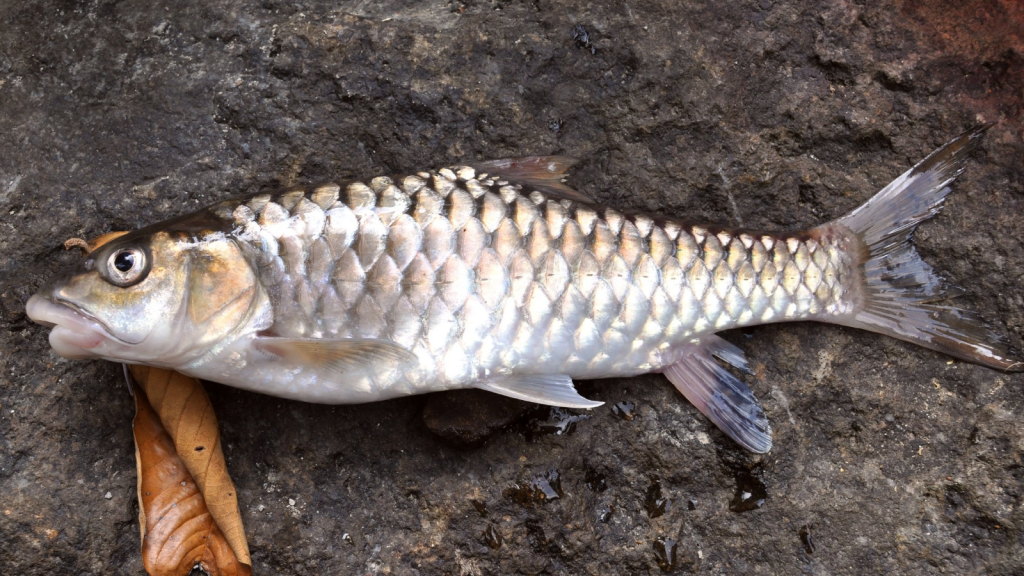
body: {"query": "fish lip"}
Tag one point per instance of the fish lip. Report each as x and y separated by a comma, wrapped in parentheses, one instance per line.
(43, 309)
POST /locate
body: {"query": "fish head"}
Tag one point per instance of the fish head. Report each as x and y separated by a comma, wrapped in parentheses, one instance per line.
(156, 297)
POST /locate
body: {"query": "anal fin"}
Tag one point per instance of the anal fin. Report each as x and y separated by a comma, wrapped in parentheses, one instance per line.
(719, 395)
(549, 389)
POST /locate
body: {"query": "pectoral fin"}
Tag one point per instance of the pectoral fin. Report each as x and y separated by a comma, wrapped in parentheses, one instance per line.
(550, 389)
(718, 394)
(337, 357)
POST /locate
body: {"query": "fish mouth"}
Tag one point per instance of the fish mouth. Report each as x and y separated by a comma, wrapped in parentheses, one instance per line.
(75, 333)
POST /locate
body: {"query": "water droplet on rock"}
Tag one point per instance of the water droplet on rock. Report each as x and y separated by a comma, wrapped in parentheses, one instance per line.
(665, 553)
(553, 420)
(492, 538)
(541, 489)
(805, 537)
(581, 36)
(624, 410)
(537, 539)
(654, 502)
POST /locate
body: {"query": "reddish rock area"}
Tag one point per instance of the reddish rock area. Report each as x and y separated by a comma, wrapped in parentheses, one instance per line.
(888, 458)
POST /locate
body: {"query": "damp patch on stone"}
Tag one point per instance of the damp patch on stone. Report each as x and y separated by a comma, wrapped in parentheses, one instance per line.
(596, 481)
(751, 492)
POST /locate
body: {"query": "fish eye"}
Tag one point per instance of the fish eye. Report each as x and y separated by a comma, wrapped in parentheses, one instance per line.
(124, 261)
(126, 266)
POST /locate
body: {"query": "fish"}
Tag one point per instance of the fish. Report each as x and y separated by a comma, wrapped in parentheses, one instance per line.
(497, 275)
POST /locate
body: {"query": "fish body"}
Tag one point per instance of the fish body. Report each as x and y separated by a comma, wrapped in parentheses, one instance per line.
(497, 276)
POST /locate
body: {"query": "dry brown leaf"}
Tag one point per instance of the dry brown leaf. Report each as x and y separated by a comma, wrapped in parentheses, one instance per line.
(186, 413)
(178, 531)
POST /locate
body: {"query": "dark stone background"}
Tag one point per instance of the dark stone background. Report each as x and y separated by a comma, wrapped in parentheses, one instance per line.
(756, 113)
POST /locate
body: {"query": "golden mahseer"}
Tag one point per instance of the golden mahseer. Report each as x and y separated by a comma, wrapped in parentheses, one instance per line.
(497, 275)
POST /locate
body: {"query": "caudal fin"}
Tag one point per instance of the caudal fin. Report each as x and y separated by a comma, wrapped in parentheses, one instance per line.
(902, 295)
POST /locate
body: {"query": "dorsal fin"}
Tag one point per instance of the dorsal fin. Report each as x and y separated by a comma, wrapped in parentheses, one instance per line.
(544, 173)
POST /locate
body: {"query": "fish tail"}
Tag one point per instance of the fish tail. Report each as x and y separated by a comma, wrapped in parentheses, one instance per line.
(900, 294)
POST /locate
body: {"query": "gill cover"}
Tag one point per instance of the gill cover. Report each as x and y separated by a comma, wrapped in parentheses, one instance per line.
(162, 297)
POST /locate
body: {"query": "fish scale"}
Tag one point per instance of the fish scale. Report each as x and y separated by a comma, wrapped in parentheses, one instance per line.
(500, 277)
(484, 276)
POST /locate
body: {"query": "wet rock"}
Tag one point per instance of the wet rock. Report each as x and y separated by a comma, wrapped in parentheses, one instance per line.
(769, 115)
(467, 418)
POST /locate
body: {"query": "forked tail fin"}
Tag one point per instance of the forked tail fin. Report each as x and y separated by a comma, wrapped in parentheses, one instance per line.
(902, 297)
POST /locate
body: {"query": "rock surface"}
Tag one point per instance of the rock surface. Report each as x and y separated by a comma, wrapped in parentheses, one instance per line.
(756, 113)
